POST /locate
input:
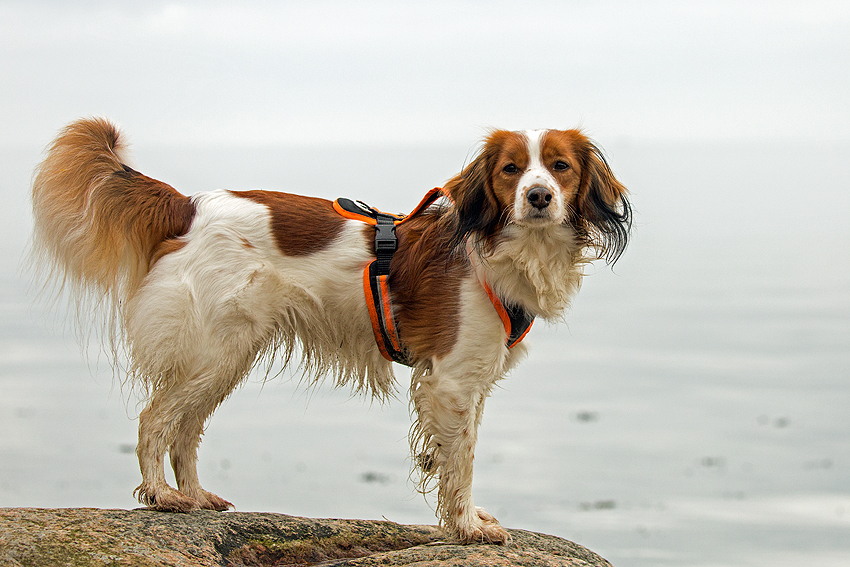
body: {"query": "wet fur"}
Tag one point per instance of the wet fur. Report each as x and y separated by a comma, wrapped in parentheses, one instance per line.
(200, 290)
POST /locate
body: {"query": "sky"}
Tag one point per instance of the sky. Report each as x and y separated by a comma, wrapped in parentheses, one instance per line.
(377, 72)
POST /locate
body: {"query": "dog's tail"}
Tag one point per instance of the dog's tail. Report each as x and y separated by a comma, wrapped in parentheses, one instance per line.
(99, 224)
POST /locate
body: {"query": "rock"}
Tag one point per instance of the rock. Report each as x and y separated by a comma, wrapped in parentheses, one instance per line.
(87, 537)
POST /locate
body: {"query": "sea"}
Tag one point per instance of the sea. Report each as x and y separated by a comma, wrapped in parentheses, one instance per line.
(692, 409)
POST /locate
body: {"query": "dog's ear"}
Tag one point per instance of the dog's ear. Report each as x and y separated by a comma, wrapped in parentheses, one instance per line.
(602, 204)
(476, 208)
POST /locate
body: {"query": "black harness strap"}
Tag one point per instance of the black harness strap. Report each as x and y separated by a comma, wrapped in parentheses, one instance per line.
(386, 243)
(521, 321)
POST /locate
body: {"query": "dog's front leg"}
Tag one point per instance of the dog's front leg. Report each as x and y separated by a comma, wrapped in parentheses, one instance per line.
(449, 409)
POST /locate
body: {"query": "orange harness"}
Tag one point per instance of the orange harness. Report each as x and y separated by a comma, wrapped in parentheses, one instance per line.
(515, 319)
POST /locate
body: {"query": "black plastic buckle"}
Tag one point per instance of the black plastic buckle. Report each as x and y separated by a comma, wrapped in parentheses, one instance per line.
(385, 238)
(386, 243)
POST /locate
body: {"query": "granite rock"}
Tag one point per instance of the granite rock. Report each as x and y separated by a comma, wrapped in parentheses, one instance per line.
(87, 537)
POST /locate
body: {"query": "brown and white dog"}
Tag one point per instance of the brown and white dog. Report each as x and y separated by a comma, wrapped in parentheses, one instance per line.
(199, 289)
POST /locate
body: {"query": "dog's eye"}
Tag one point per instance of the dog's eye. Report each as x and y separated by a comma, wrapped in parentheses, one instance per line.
(560, 165)
(510, 168)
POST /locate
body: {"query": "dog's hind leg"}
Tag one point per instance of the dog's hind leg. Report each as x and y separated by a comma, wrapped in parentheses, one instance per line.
(183, 450)
(158, 424)
(174, 421)
(195, 334)
(184, 457)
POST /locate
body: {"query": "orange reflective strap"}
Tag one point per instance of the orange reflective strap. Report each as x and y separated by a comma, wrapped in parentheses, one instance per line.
(373, 314)
(500, 309)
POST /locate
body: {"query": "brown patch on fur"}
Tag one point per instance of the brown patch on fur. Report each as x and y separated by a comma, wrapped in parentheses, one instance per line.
(301, 225)
(585, 161)
(600, 212)
(166, 247)
(477, 205)
(509, 149)
(597, 176)
(425, 281)
(564, 146)
(152, 212)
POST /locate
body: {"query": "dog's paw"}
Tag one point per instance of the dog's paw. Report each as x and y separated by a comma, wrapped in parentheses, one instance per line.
(483, 529)
(491, 529)
(209, 501)
(165, 499)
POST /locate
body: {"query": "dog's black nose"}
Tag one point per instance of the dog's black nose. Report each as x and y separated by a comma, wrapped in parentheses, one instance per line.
(539, 197)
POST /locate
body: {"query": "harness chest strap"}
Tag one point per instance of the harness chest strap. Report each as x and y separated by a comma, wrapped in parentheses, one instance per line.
(380, 307)
(517, 321)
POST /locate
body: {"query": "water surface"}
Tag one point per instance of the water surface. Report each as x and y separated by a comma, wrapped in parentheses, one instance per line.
(693, 409)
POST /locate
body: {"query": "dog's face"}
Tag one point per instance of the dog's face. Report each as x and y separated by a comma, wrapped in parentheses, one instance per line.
(535, 176)
(541, 178)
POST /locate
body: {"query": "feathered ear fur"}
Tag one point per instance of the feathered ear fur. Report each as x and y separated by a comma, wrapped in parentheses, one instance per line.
(602, 205)
(602, 213)
(476, 207)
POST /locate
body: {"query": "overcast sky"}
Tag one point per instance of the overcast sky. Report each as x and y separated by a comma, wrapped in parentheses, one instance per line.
(373, 72)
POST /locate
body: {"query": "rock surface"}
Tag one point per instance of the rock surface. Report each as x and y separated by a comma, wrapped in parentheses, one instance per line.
(87, 537)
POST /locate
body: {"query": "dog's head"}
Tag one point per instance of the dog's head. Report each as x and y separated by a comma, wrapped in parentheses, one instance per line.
(538, 179)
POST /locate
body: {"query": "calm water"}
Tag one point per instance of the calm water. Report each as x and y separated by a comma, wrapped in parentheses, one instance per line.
(694, 409)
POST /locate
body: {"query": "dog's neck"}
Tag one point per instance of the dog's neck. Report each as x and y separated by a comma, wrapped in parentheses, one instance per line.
(538, 268)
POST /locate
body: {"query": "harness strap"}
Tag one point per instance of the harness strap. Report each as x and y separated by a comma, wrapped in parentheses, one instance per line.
(358, 210)
(517, 321)
(376, 273)
(380, 312)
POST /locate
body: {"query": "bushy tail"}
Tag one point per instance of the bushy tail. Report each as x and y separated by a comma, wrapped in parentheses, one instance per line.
(98, 223)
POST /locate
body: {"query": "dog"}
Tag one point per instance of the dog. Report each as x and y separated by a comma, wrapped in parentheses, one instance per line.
(198, 290)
